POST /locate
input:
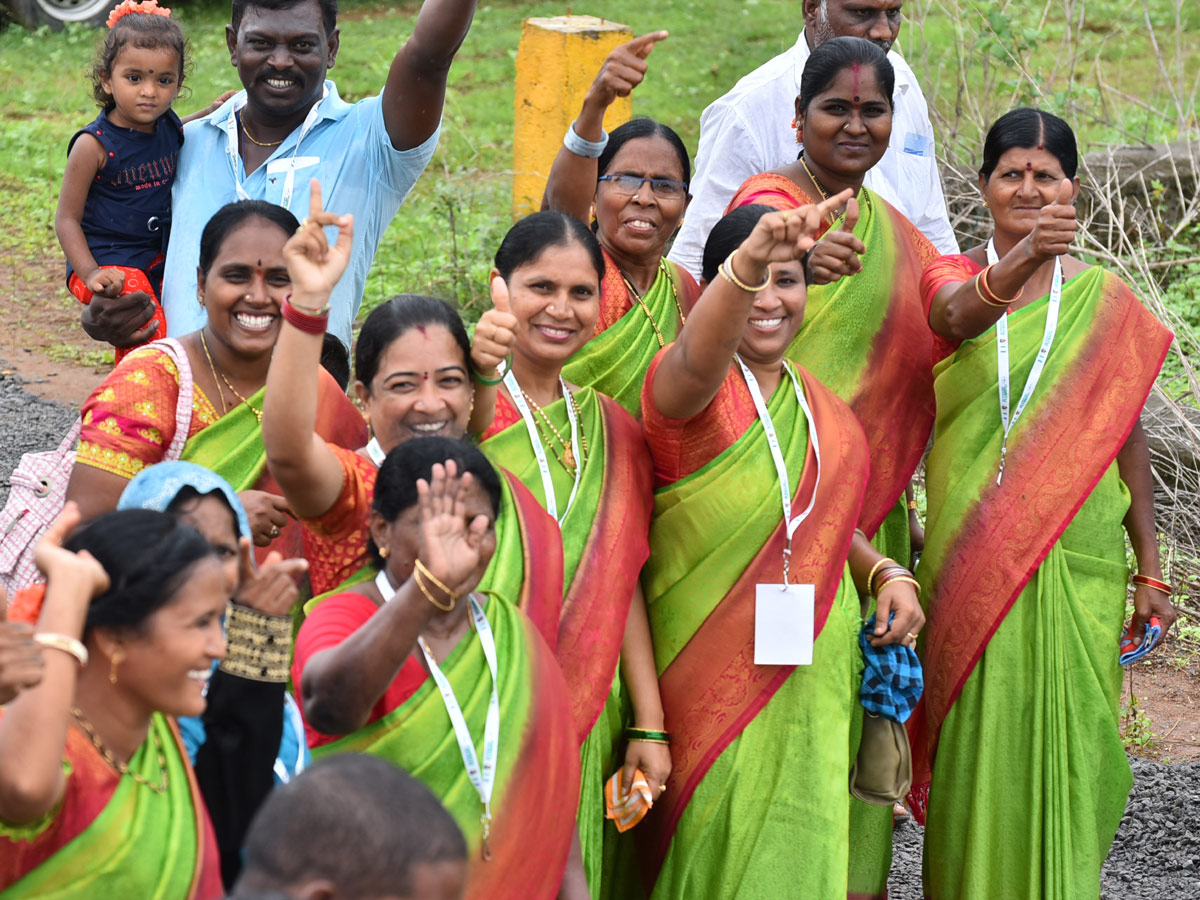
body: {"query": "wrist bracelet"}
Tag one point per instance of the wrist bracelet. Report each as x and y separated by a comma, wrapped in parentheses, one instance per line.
(912, 505)
(65, 643)
(886, 574)
(444, 607)
(875, 568)
(258, 647)
(726, 269)
(309, 322)
(1153, 583)
(492, 382)
(583, 147)
(648, 735)
(907, 579)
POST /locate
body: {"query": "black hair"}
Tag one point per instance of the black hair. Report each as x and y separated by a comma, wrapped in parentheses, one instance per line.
(335, 359)
(188, 496)
(393, 319)
(526, 241)
(727, 235)
(643, 128)
(396, 483)
(146, 31)
(1024, 129)
(836, 55)
(233, 216)
(329, 11)
(354, 820)
(148, 556)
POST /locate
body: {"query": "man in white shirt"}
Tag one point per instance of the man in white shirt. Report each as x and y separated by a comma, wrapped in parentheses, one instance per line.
(750, 130)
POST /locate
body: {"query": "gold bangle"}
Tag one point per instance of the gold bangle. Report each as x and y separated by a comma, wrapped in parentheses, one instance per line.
(912, 504)
(907, 579)
(875, 568)
(726, 269)
(417, 573)
(979, 291)
(65, 643)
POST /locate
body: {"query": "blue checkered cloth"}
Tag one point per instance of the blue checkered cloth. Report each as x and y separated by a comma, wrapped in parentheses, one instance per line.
(892, 681)
(1130, 653)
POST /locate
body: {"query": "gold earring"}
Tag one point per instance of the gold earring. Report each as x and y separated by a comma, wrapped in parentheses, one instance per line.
(200, 298)
(116, 660)
(985, 205)
(385, 552)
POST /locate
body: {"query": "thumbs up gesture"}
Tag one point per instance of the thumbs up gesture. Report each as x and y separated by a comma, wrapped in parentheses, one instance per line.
(1056, 225)
(838, 253)
(495, 333)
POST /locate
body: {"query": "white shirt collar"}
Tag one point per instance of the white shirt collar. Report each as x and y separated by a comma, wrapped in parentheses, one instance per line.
(903, 72)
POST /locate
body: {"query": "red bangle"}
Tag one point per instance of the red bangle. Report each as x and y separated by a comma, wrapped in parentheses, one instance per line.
(306, 322)
(1153, 583)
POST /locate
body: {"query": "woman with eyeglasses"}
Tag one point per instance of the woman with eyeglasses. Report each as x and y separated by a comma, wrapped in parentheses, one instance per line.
(640, 175)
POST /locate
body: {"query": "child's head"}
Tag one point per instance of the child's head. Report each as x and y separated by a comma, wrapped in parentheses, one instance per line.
(134, 27)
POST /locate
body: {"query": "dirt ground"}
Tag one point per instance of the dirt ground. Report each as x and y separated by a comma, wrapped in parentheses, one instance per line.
(40, 338)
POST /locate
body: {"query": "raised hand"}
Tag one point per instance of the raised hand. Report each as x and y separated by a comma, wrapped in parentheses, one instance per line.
(788, 235)
(1056, 225)
(270, 588)
(838, 254)
(623, 70)
(314, 265)
(495, 333)
(56, 562)
(449, 547)
(267, 513)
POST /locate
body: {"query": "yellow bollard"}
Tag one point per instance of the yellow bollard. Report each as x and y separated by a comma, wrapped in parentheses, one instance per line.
(557, 60)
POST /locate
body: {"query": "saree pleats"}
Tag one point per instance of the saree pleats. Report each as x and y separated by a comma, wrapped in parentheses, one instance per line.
(614, 361)
(1015, 745)
(604, 546)
(142, 844)
(740, 730)
(537, 772)
(867, 339)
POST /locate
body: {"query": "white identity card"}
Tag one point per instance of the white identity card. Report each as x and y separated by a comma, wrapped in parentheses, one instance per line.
(783, 624)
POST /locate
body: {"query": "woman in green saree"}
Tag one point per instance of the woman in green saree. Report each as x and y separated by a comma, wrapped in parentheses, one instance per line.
(130, 423)
(634, 182)
(97, 798)
(583, 456)
(761, 753)
(864, 334)
(421, 668)
(1017, 754)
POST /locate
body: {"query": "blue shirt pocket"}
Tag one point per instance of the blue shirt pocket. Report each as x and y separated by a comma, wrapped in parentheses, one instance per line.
(917, 144)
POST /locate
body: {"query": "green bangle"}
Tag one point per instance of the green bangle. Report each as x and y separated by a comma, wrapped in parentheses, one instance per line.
(645, 734)
(491, 382)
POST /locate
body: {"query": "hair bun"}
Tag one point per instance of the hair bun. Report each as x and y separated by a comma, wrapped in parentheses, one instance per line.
(149, 7)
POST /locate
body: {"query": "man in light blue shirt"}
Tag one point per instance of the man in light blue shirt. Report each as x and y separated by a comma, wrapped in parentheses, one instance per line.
(289, 126)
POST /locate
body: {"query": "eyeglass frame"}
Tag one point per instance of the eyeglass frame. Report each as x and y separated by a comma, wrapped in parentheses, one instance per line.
(642, 179)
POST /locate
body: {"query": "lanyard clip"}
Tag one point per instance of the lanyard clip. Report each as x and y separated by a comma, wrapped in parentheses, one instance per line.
(485, 846)
(1003, 454)
(787, 559)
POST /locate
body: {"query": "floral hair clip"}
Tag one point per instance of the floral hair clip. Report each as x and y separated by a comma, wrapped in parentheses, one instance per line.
(150, 7)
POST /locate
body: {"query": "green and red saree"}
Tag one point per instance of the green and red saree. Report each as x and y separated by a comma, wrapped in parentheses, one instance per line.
(761, 753)
(867, 339)
(605, 543)
(1015, 743)
(537, 777)
(629, 333)
(113, 837)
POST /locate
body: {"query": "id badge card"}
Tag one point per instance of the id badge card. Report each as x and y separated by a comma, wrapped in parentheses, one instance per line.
(783, 624)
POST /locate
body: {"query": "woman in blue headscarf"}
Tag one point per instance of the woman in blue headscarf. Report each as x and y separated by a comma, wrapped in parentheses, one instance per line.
(251, 735)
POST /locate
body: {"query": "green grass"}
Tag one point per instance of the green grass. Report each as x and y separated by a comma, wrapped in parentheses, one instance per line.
(443, 240)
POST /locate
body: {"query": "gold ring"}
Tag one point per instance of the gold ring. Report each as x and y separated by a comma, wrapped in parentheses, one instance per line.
(912, 637)
(275, 533)
(785, 214)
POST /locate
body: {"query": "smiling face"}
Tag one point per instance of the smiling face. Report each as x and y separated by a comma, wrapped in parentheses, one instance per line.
(847, 127)
(1023, 181)
(877, 21)
(637, 226)
(556, 300)
(244, 287)
(776, 316)
(282, 56)
(166, 665)
(143, 82)
(421, 388)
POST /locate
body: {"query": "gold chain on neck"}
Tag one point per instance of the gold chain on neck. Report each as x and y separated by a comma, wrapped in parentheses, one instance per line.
(218, 373)
(120, 767)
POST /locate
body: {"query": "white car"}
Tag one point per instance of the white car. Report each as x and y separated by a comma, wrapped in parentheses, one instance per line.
(57, 13)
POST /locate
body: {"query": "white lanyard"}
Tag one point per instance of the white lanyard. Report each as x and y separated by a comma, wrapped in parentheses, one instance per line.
(482, 778)
(1039, 363)
(785, 487)
(539, 452)
(289, 183)
(375, 451)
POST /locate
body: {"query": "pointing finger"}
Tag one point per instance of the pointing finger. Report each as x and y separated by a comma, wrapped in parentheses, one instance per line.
(851, 215)
(314, 198)
(641, 46)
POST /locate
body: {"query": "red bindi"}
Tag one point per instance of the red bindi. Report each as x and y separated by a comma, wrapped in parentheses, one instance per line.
(856, 68)
(1040, 147)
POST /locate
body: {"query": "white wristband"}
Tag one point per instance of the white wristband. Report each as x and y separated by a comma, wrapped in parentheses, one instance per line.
(580, 147)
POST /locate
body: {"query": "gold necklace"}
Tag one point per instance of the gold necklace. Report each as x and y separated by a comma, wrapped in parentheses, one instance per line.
(241, 120)
(637, 298)
(120, 767)
(821, 188)
(217, 372)
(567, 457)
